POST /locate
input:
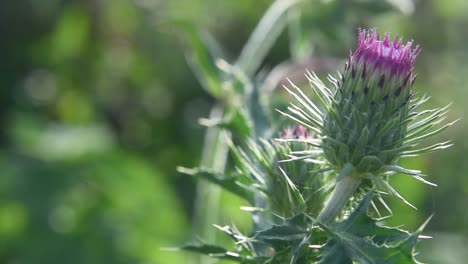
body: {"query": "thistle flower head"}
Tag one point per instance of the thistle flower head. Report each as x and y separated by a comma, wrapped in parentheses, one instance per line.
(371, 119)
(372, 104)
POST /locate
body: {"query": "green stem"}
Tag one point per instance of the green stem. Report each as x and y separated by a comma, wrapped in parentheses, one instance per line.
(208, 195)
(344, 190)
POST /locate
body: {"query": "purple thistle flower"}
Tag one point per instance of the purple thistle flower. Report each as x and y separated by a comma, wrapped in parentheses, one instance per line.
(385, 58)
(296, 132)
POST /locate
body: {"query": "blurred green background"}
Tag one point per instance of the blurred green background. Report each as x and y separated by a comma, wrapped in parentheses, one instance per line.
(98, 107)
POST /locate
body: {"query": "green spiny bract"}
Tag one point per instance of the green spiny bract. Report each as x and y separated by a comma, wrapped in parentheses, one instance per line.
(277, 177)
(285, 172)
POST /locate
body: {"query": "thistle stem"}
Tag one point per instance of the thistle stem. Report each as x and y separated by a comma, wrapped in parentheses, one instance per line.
(207, 201)
(344, 190)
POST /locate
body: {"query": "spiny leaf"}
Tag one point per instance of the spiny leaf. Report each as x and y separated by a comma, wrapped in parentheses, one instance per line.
(288, 234)
(335, 254)
(360, 239)
(228, 183)
(240, 239)
(216, 252)
(282, 233)
(360, 224)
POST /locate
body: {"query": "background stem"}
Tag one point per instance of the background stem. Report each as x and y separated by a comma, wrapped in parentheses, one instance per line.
(208, 195)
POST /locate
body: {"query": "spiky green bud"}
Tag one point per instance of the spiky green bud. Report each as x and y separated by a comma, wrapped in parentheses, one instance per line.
(369, 116)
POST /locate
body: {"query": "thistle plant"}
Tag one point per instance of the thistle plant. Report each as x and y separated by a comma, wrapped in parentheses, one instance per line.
(315, 187)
